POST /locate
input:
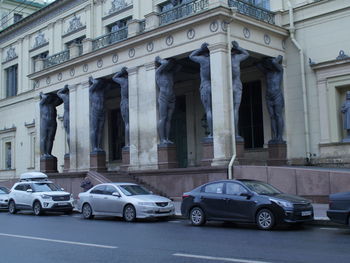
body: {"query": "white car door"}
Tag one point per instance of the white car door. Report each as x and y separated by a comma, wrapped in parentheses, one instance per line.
(112, 204)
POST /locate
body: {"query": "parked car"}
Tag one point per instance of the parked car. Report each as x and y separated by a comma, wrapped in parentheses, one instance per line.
(339, 208)
(246, 201)
(4, 197)
(35, 192)
(126, 200)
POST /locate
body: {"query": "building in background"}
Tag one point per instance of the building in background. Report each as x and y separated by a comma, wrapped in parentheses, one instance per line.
(66, 41)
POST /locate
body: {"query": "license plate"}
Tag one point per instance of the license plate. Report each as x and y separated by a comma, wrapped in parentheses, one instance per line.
(164, 210)
(306, 213)
(62, 204)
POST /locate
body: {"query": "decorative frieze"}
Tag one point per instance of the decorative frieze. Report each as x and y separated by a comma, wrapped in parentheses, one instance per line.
(118, 5)
(11, 54)
(40, 40)
(75, 24)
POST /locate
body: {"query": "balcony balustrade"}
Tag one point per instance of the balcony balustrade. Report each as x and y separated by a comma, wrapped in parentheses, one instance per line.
(253, 11)
(56, 59)
(110, 38)
(182, 11)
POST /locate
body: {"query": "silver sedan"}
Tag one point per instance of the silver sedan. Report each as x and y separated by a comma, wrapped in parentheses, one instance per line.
(126, 200)
(4, 197)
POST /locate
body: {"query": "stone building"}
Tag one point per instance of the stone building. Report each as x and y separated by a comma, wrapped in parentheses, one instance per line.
(66, 42)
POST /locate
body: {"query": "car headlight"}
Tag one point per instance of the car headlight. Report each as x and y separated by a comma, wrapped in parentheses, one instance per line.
(146, 203)
(282, 203)
(46, 196)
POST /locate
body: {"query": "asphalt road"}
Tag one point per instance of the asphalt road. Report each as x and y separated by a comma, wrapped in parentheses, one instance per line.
(60, 239)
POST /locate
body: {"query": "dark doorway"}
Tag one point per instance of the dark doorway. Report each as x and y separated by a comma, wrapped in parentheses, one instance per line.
(178, 132)
(251, 125)
(116, 135)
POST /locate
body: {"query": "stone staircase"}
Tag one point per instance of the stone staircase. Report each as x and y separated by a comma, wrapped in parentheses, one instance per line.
(257, 157)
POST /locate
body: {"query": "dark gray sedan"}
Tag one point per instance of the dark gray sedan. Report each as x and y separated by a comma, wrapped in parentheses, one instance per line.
(126, 200)
(339, 208)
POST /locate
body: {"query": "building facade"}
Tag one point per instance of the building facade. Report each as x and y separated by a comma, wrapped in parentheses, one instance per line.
(66, 42)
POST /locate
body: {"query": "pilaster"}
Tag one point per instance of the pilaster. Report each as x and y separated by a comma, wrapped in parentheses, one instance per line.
(222, 109)
(21, 66)
(51, 34)
(152, 21)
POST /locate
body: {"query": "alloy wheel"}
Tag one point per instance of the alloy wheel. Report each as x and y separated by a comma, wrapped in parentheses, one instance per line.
(87, 211)
(265, 219)
(129, 213)
(12, 207)
(37, 209)
(197, 216)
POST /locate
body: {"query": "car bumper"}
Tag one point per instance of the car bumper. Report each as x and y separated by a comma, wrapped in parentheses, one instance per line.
(149, 212)
(293, 216)
(3, 205)
(58, 206)
(338, 216)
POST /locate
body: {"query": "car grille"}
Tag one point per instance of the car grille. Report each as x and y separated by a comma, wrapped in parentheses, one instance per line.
(162, 204)
(61, 198)
(302, 206)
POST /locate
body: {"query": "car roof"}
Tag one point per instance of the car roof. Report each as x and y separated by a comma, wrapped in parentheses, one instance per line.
(32, 176)
(124, 183)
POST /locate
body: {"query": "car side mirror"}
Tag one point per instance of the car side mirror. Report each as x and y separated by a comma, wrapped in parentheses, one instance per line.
(247, 194)
(62, 189)
(29, 190)
(116, 194)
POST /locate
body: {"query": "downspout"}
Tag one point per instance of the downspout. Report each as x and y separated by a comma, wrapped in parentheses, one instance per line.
(303, 80)
(233, 139)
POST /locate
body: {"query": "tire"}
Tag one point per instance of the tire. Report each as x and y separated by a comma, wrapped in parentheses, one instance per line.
(87, 211)
(37, 209)
(197, 216)
(265, 219)
(12, 207)
(129, 213)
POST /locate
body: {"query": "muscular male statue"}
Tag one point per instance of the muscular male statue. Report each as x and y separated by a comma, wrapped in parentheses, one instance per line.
(238, 55)
(273, 70)
(201, 56)
(166, 100)
(345, 109)
(97, 113)
(48, 123)
(64, 95)
(121, 78)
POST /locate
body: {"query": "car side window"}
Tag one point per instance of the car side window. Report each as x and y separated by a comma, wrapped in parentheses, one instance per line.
(235, 189)
(110, 190)
(98, 190)
(19, 187)
(215, 188)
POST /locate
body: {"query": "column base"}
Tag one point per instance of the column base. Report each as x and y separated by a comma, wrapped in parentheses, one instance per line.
(208, 151)
(167, 158)
(48, 164)
(98, 161)
(277, 154)
(125, 159)
(66, 167)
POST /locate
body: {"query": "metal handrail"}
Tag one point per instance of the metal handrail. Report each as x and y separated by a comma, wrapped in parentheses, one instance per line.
(253, 11)
(56, 59)
(182, 11)
(110, 38)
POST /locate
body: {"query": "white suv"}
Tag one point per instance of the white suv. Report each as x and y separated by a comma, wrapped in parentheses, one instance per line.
(35, 192)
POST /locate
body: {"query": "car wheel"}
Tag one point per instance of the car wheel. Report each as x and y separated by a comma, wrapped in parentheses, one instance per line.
(265, 219)
(87, 211)
(12, 207)
(37, 208)
(129, 214)
(197, 216)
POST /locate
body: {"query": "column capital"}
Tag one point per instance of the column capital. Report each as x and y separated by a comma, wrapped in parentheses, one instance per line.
(218, 47)
(150, 65)
(133, 70)
(99, 2)
(73, 88)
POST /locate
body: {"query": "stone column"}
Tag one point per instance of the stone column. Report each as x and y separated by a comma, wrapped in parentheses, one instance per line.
(26, 64)
(222, 110)
(2, 78)
(191, 129)
(21, 74)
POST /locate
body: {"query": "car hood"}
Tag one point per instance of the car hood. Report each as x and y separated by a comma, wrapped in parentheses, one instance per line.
(149, 198)
(53, 193)
(291, 198)
(4, 196)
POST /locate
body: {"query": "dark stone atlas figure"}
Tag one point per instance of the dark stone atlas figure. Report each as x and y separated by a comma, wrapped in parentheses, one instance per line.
(345, 109)
(238, 55)
(121, 78)
(97, 113)
(202, 57)
(64, 95)
(166, 100)
(48, 123)
(273, 70)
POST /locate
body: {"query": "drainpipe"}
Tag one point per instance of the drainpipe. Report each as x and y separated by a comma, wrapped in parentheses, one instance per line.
(303, 80)
(230, 165)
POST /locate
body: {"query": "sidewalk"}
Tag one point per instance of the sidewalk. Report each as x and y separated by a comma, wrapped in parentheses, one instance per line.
(320, 213)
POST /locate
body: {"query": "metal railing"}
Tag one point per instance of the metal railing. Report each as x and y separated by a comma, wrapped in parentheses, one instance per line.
(253, 11)
(56, 59)
(110, 38)
(183, 10)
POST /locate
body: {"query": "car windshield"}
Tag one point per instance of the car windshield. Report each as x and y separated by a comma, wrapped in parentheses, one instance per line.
(261, 188)
(134, 190)
(4, 190)
(45, 187)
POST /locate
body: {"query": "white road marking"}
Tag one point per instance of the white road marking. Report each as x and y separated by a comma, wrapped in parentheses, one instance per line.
(218, 258)
(329, 228)
(58, 241)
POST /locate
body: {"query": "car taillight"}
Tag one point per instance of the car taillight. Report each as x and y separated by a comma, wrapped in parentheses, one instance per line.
(185, 196)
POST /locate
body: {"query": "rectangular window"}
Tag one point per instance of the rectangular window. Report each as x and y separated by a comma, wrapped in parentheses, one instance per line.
(8, 155)
(11, 80)
(17, 17)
